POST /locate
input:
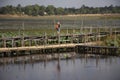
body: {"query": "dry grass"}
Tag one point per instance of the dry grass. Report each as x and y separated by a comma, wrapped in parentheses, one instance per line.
(8, 16)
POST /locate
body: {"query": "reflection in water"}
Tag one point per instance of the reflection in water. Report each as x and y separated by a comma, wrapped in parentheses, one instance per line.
(58, 66)
(97, 61)
(45, 64)
(24, 65)
(86, 68)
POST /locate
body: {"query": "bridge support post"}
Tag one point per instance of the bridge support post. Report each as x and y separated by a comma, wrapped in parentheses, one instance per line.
(30, 42)
(4, 43)
(13, 43)
(22, 41)
(45, 39)
(35, 42)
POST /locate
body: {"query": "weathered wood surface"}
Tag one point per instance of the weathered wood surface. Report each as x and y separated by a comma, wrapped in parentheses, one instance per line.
(44, 47)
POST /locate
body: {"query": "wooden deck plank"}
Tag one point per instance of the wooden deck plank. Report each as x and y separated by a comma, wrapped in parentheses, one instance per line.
(43, 47)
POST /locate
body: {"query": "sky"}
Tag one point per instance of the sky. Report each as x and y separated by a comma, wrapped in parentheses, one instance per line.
(62, 3)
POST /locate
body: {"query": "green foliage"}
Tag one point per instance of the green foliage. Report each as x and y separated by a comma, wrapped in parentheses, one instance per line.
(50, 10)
(28, 10)
(35, 10)
(112, 41)
(42, 10)
(9, 9)
(59, 11)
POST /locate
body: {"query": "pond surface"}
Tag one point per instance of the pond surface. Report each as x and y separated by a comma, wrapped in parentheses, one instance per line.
(49, 24)
(71, 69)
(15, 27)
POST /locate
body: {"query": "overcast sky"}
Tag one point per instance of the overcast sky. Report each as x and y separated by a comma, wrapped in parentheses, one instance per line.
(62, 3)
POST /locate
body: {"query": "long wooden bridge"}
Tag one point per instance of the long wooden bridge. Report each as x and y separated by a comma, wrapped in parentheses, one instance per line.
(46, 43)
(21, 41)
(86, 43)
(81, 48)
(27, 48)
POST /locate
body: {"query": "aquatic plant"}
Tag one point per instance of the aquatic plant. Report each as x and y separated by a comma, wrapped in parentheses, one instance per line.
(112, 41)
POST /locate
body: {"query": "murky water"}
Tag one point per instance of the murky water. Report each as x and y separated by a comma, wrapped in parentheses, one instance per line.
(49, 24)
(71, 69)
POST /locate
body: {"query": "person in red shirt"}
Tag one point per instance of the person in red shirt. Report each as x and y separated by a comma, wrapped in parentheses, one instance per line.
(58, 27)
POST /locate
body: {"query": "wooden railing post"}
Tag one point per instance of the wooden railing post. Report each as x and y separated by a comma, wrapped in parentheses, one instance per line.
(13, 43)
(4, 43)
(30, 42)
(45, 39)
(22, 41)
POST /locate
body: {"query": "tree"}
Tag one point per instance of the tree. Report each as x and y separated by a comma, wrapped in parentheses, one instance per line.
(19, 8)
(9, 9)
(35, 10)
(42, 10)
(28, 10)
(59, 11)
(83, 9)
(50, 10)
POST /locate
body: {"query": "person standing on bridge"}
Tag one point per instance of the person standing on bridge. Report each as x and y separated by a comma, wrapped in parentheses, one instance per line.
(57, 26)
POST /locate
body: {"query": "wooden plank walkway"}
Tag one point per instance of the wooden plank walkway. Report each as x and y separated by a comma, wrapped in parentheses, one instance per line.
(44, 47)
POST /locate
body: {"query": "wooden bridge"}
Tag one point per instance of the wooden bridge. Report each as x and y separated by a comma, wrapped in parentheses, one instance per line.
(27, 48)
(77, 42)
(81, 48)
(21, 41)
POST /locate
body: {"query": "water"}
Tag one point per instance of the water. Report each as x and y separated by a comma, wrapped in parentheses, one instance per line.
(72, 69)
(49, 24)
(15, 27)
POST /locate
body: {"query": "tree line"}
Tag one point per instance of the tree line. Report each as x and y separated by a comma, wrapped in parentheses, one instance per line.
(37, 10)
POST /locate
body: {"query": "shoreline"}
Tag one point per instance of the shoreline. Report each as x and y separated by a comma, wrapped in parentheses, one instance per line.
(38, 57)
(8, 16)
(47, 57)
